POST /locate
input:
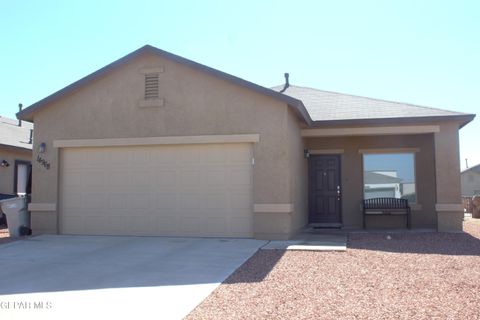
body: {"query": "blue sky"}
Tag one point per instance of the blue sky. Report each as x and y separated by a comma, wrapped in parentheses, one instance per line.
(422, 52)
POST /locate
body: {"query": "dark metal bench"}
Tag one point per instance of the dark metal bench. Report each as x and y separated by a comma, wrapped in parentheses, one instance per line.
(385, 206)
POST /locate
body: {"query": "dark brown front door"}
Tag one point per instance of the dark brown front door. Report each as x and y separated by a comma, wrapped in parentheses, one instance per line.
(324, 189)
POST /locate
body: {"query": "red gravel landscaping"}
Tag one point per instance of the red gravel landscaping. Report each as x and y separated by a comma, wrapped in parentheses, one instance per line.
(410, 276)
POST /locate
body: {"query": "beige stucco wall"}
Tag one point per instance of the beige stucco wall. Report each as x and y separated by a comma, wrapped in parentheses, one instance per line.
(447, 171)
(470, 183)
(298, 174)
(195, 104)
(294, 215)
(7, 173)
(424, 216)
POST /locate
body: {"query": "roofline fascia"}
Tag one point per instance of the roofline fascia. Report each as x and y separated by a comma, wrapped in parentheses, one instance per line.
(17, 148)
(464, 119)
(302, 113)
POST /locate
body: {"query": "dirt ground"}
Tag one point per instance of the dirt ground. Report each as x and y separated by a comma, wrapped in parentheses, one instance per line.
(404, 276)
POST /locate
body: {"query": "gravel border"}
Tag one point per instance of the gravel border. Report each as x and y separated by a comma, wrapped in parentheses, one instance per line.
(397, 276)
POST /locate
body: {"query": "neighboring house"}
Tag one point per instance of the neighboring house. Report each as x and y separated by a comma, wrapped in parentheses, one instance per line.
(15, 156)
(470, 179)
(379, 184)
(155, 144)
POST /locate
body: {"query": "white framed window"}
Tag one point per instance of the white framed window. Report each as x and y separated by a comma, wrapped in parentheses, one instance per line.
(390, 175)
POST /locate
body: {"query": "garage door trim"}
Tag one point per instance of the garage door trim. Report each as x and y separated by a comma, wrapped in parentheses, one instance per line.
(170, 140)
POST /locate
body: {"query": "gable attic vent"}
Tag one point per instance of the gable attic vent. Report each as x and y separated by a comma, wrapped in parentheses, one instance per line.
(151, 86)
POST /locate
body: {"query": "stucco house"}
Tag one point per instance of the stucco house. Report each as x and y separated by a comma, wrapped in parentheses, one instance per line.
(15, 156)
(470, 181)
(155, 144)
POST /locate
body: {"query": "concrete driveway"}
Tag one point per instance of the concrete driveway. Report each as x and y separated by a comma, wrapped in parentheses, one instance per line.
(53, 276)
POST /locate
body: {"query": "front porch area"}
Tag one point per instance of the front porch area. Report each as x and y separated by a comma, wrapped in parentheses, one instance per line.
(417, 163)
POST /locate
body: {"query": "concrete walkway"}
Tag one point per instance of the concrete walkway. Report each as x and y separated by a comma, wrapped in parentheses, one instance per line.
(311, 241)
(87, 277)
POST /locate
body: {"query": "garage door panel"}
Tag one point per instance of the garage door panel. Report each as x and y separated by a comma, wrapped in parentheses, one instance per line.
(189, 201)
(116, 179)
(240, 223)
(216, 225)
(117, 225)
(216, 155)
(165, 158)
(73, 200)
(116, 157)
(200, 226)
(140, 180)
(73, 160)
(138, 201)
(188, 154)
(235, 155)
(94, 179)
(193, 190)
(142, 225)
(73, 224)
(167, 224)
(73, 178)
(190, 179)
(93, 201)
(217, 201)
(142, 156)
(116, 201)
(97, 224)
(94, 160)
(166, 201)
(165, 179)
(239, 202)
(216, 177)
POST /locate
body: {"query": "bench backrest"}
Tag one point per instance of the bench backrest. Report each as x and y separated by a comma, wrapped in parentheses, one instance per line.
(385, 203)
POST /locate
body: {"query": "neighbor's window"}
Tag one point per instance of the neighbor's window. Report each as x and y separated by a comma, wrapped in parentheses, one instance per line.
(389, 175)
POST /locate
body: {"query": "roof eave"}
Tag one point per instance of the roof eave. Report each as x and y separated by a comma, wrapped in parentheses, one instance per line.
(463, 119)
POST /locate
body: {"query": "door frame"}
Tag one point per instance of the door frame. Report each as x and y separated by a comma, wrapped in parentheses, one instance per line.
(15, 174)
(309, 182)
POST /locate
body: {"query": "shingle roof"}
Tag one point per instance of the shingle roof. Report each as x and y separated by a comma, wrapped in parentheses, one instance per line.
(14, 136)
(475, 168)
(329, 106)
